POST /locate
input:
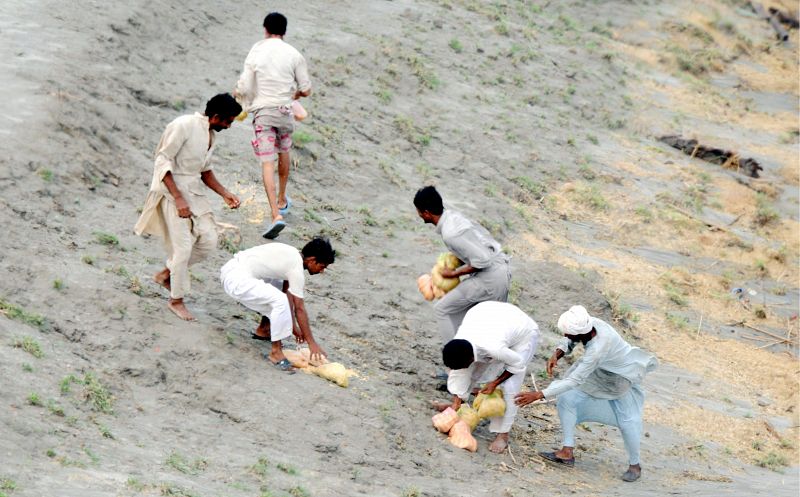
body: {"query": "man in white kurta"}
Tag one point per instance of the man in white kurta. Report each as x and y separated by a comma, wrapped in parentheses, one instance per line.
(603, 386)
(493, 345)
(177, 207)
(269, 279)
(274, 75)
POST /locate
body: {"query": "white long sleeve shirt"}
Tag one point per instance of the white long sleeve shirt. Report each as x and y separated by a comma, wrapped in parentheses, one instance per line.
(608, 368)
(273, 71)
(499, 333)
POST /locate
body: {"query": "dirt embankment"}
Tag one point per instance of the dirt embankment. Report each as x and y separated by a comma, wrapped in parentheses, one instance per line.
(539, 119)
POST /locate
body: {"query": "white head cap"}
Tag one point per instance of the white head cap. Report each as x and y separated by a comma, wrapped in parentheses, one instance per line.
(576, 321)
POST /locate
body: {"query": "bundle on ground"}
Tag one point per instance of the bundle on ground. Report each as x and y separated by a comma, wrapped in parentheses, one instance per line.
(333, 371)
(469, 416)
(445, 420)
(490, 406)
(461, 436)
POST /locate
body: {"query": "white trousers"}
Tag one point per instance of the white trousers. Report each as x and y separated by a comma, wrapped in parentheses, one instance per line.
(188, 240)
(510, 387)
(260, 296)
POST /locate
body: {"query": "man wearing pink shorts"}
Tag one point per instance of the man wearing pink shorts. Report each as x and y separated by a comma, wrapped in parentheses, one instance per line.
(274, 75)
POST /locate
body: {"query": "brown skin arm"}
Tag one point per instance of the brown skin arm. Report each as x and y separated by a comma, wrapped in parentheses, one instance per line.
(551, 363)
(525, 398)
(298, 335)
(461, 271)
(492, 385)
(211, 181)
(180, 202)
(299, 94)
(302, 320)
(456, 402)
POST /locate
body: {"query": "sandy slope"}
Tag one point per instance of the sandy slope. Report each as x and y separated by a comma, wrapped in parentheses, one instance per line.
(398, 104)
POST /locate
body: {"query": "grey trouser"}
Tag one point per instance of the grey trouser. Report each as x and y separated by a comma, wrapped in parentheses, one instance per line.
(488, 284)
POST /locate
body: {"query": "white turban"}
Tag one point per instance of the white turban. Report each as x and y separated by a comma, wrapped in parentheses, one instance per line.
(576, 321)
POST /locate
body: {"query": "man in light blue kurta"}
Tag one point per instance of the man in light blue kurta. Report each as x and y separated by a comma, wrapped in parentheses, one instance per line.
(604, 386)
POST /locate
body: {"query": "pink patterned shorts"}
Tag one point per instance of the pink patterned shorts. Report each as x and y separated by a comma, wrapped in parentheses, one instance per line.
(270, 141)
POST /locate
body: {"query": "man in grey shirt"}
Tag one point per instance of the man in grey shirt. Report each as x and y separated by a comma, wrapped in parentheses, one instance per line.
(486, 268)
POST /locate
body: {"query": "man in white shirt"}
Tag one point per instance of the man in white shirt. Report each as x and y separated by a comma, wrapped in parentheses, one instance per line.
(603, 386)
(269, 280)
(274, 75)
(493, 345)
(486, 267)
(177, 208)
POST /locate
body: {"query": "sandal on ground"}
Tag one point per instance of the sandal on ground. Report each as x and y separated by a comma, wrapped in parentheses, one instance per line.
(274, 229)
(552, 457)
(259, 337)
(283, 365)
(631, 475)
(285, 210)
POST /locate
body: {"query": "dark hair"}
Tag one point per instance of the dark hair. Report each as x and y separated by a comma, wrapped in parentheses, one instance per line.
(458, 354)
(223, 105)
(320, 249)
(275, 24)
(428, 199)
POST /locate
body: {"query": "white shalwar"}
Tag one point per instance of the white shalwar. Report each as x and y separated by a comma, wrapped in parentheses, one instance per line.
(185, 151)
(604, 387)
(255, 277)
(503, 338)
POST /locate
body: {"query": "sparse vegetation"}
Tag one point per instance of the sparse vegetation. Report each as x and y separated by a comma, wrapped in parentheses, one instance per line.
(299, 491)
(765, 212)
(456, 45)
(97, 394)
(34, 399)
(17, 313)
(182, 464)
(106, 239)
(261, 467)
(773, 461)
(30, 346)
(66, 383)
(286, 468)
(591, 196)
(301, 138)
(46, 175)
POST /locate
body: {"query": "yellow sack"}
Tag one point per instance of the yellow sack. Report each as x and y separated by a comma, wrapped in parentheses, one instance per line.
(335, 372)
(469, 416)
(445, 284)
(449, 260)
(490, 406)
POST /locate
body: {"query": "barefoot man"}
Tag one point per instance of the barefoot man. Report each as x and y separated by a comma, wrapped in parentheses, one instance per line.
(493, 346)
(274, 75)
(269, 279)
(603, 386)
(177, 208)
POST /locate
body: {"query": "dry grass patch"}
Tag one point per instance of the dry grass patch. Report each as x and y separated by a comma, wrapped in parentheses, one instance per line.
(751, 440)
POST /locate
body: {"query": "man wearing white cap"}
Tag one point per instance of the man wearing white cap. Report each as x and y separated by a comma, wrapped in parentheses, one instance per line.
(602, 387)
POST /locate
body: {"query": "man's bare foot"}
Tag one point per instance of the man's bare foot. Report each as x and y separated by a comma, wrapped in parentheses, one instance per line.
(500, 443)
(276, 354)
(440, 406)
(162, 278)
(263, 330)
(177, 306)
